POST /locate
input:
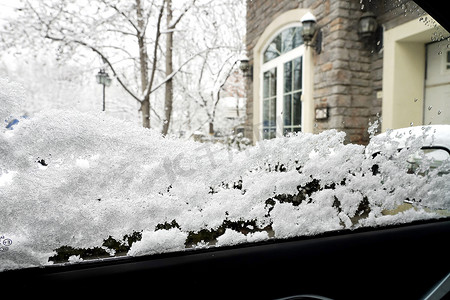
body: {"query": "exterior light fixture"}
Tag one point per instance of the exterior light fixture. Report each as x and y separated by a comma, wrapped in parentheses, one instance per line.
(311, 34)
(103, 78)
(309, 24)
(370, 32)
(367, 25)
(244, 65)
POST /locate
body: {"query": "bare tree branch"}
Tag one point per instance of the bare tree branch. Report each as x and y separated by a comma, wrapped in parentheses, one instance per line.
(155, 52)
(122, 32)
(175, 22)
(105, 59)
(126, 17)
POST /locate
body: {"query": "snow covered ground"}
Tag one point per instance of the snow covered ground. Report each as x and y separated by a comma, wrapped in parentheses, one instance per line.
(74, 179)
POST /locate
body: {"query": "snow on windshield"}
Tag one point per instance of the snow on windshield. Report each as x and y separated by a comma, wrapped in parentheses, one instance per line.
(85, 180)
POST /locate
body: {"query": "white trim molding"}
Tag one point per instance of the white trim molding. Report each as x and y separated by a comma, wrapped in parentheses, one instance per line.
(284, 20)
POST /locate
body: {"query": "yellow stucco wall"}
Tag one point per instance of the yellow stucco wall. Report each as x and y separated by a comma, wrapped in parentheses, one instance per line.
(404, 73)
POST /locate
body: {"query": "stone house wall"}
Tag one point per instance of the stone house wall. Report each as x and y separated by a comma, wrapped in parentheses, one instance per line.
(348, 71)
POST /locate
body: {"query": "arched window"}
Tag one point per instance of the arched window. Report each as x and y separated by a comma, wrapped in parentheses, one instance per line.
(282, 83)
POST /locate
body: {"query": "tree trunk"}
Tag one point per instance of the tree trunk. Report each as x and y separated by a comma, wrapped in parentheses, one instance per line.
(169, 70)
(211, 128)
(145, 110)
(143, 63)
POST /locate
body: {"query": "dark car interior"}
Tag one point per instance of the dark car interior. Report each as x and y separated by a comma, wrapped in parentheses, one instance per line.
(396, 262)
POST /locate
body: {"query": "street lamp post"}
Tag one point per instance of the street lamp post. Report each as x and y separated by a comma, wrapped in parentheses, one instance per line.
(103, 79)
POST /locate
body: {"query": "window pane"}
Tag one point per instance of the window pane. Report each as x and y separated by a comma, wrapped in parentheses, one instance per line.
(274, 49)
(272, 133)
(270, 83)
(266, 85)
(266, 113)
(287, 111)
(291, 38)
(288, 77)
(269, 133)
(273, 82)
(272, 112)
(297, 40)
(287, 40)
(297, 109)
(298, 74)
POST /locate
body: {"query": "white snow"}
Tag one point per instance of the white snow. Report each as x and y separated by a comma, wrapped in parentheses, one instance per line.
(75, 259)
(231, 237)
(82, 163)
(159, 241)
(6, 177)
(106, 177)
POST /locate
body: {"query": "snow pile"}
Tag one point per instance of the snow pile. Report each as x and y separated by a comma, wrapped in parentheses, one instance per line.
(11, 97)
(75, 179)
(153, 242)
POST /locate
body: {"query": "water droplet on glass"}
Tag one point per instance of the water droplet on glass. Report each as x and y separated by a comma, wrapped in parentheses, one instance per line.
(439, 112)
(412, 123)
(430, 107)
(415, 100)
(440, 53)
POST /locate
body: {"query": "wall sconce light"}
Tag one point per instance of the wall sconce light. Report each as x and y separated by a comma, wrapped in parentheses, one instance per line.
(311, 34)
(246, 68)
(369, 31)
(367, 25)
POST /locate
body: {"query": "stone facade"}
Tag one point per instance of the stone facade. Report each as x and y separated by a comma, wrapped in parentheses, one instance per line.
(348, 71)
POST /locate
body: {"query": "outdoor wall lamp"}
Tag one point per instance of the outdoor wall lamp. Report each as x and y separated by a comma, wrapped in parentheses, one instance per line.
(311, 34)
(103, 78)
(369, 31)
(246, 68)
(367, 25)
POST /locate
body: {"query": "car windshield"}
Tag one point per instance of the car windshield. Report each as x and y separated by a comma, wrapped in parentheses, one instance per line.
(134, 128)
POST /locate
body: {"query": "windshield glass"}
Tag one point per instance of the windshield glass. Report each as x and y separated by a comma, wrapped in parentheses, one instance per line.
(132, 128)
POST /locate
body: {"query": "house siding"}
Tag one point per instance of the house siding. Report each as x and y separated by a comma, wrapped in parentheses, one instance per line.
(347, 73)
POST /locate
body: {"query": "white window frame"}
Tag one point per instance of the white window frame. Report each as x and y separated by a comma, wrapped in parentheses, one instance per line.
(278, 63)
